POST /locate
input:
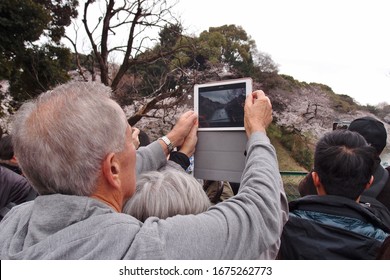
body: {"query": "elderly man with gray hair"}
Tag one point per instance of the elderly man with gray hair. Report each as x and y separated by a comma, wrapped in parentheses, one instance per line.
(75, 146)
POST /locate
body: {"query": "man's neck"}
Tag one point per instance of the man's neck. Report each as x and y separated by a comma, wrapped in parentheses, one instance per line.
(109, 198)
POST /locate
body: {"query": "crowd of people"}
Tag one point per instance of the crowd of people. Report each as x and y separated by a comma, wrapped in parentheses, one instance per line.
(77, 182)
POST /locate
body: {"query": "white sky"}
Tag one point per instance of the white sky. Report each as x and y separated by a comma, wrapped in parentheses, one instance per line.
(344, 44)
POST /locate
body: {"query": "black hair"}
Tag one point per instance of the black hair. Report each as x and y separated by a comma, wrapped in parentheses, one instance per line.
(372, 130)
(143, 138)
(344, 163)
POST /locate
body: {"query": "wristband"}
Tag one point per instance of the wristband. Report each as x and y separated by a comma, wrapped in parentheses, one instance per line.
(168, 143)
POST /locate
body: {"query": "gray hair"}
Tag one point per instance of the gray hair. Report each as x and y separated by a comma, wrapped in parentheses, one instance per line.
(62, 137)
(165, 194)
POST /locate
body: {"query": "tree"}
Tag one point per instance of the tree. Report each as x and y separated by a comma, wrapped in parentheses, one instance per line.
(238, 45)
(61, 13)
(151, 66)
(193, 60)
(231, 46)
(21, 22)
(131, 21)
(30, 66)
(43, 67)
(126, 30)
(165, 78)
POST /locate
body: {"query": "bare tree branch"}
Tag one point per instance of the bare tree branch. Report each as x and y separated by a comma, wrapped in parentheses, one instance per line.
(136, 17)
(77, 57)
(89, 33)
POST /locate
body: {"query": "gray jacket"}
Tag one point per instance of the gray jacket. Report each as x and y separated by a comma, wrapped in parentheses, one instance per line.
(247, 226)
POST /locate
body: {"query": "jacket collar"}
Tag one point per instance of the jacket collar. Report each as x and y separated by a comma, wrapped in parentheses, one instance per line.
(336, 205)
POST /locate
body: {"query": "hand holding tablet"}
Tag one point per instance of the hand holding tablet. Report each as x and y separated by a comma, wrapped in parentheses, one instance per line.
(258, 112)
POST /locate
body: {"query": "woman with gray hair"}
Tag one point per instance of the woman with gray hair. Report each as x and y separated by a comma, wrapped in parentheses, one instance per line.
(166, 193)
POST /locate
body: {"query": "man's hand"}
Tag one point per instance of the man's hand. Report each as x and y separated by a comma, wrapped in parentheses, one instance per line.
(258, 112)
(188, 147)
(134, 135)
(182, 128)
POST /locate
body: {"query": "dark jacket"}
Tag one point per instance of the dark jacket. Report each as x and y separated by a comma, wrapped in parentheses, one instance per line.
(331, 227)
(13, 168)
(383, 195)
(14, 189)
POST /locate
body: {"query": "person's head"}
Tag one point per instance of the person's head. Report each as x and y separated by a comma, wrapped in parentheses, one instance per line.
(372, 130)
(165, 194)
(72, 139)
(6, 148)
(343, 164)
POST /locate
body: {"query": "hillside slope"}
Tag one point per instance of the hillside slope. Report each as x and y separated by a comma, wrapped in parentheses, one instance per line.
(285, 160)
(309, 110)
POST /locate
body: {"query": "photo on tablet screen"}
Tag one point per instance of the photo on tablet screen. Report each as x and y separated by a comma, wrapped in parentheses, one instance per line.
(220, 105)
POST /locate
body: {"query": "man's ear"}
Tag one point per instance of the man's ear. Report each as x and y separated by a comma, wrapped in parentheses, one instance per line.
(14, 160)
(110, 169)
(317, 183)
(370, 182)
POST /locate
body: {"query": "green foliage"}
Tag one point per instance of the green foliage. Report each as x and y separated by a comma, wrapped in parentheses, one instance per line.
(24, 21)
(295, 143)
(290, 82)
(210, 47)
(370, 108)
(237, 45)
(381, 110)
(268, 80)
(285, 160)
(289, 78)
(230, 45)
(172, 40)
(226, 46)
(41, 69)
(61, 12)
(21, 21)
(274, 131)
(343, 103)
(323, 87)
(30, 69)
(384, 110)
(170, 35)
(149, 76)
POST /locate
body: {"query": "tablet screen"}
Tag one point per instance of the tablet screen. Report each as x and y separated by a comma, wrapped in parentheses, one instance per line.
(220, 105)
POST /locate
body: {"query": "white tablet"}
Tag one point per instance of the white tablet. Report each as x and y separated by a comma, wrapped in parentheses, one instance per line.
(220, 105)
